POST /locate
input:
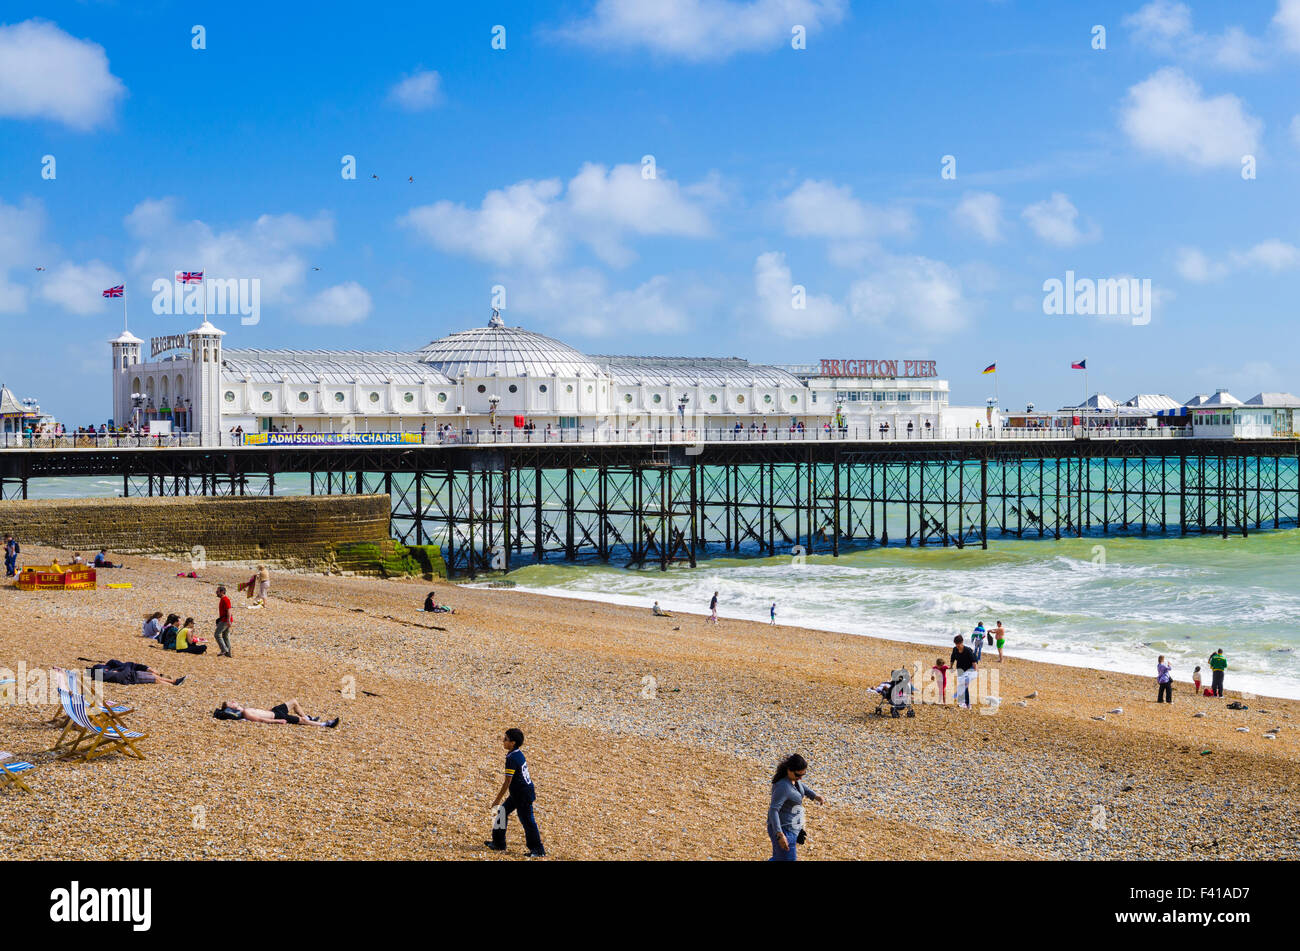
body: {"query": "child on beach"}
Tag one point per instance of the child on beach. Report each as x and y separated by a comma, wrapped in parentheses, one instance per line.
(773, 612)
(1196, 680)
(522, 794)
(942, 669)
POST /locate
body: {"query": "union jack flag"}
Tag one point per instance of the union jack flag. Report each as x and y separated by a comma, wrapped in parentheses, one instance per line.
(190, 277)
(115, 291)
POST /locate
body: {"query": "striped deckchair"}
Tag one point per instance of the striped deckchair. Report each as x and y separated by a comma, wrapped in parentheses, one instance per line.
(11, 774)
(101, 732)
(116, 711)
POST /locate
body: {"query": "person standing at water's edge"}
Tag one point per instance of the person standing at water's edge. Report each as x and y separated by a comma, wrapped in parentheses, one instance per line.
(1164, 681)
(773, 612)
(224, 621)
(1218, 664)
(713, 608)
(785, 812)
(522, 794)
(977, 640)
(999, 635)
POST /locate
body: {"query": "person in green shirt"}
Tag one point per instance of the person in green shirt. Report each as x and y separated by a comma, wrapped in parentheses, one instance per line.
(1218, 664)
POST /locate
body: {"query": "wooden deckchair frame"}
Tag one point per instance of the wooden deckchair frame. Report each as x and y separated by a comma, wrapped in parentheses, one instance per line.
(103, 731)
(10, 777)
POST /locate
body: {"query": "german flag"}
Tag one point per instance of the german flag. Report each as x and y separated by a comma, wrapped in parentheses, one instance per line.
(991, 368)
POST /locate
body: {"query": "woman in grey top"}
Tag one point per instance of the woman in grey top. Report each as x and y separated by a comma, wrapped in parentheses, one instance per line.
(785, 813)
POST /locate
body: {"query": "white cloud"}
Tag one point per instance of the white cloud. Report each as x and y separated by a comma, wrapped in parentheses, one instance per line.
(79, 288)
(346, 303)
(514, 225)
(271, 248)
(1287, 22)
(777, 305)
(20, 250)
(701, 30)
(1269, 255)
(908, 294)
(1167, 115)
(581, 302)
(821, 209)
(47, 74)
(420, 91)
(1056, 221)
(535, 223)
(981, 214)
(1165, 27)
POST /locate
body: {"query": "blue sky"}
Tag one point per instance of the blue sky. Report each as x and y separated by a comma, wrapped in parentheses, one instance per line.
(773, 167)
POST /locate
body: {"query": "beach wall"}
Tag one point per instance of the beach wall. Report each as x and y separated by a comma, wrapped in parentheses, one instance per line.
(297, 531)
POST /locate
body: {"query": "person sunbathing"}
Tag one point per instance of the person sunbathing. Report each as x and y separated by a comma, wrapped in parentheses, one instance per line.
(127, 672)
(290, 712)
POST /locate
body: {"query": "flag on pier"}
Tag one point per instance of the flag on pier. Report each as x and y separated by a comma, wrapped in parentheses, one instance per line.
(1081, 365)
(190, 277)
(991, 368)
(115, 291)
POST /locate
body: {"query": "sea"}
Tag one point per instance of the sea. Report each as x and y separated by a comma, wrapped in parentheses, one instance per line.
(1107, 602)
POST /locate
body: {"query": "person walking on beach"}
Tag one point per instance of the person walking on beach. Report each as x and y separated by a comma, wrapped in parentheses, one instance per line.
(977, 640)
(1218, 664)
(224, 621)
(963, 658)
(519, 793)
(1164, 681)
(713, 608)
(263, 586)
(12, 551)
(773, 612)
(785, 812)
(999, 634)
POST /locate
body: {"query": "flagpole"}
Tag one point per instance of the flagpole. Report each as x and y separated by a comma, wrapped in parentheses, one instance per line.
(124, 330)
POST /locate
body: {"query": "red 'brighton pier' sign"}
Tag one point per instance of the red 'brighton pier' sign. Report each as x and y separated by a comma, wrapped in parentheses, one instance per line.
(879, 368)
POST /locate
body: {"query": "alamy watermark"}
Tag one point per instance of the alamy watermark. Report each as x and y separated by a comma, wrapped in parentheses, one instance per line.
(1100, 297)
(226, 297)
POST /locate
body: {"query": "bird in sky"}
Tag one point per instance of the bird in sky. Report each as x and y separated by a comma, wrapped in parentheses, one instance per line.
(39, 268)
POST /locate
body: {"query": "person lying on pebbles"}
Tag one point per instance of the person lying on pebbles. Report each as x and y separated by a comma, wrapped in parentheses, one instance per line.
(290, 712)
(128, 672)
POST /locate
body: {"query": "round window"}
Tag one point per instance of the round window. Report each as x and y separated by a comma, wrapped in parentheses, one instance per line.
(229, 397)
(482, 388)
(303, 397)
(408, 397)
(658, 398)
(713, 397)
(740, 398)
(794, 398)
(767, 398)
(442, 397)
(266, 396)
(627, 397)
(568, 388)
(338, 397)
(374, 397)
(513, 388)
(541, 388)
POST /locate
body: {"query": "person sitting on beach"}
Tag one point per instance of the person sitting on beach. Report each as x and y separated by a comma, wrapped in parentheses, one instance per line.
(55, 566)
(127, 672)
(431, 604)
(77, 559)
(153, 625)
(168, 636)
(187, 643)
(658, 611)
(101, 560)
(290, 712)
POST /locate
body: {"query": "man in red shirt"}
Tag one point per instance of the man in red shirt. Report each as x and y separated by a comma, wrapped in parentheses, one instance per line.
(224, 620)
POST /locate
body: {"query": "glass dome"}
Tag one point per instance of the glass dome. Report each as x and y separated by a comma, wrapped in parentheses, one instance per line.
(498, 350)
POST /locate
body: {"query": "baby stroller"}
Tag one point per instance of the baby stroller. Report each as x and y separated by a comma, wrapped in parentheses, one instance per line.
(897, 692)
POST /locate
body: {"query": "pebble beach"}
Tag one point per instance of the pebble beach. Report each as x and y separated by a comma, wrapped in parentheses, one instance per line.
(647, 737)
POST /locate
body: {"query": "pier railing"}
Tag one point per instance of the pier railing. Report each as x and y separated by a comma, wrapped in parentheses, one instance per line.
(510, 435)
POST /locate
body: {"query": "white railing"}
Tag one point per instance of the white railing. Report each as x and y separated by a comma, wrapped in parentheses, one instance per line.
(669, 436)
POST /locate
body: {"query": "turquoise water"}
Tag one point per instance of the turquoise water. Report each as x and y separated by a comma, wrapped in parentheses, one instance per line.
(1111, 603)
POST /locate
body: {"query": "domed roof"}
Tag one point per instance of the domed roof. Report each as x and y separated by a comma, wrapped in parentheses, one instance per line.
(504, 351)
